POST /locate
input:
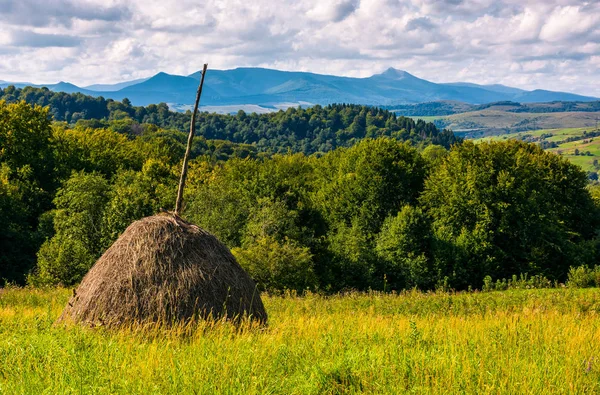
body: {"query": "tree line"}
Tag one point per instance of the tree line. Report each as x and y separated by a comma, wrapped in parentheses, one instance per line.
(381, 214)
(311, 130)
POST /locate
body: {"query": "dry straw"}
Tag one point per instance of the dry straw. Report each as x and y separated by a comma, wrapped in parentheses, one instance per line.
(165, 270)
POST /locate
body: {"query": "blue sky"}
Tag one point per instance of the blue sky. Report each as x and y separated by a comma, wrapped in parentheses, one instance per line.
(546, 44)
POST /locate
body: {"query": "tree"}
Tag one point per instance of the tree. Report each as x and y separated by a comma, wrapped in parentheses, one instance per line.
(27, 182)
(272, 250)
(404, 244)
(505, 208)
(357, 189)
(77, 220)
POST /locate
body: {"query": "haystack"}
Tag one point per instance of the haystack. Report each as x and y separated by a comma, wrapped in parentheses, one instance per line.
(164, 270)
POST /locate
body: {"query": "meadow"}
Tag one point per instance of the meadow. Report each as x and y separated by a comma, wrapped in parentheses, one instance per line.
(515, 341)
(499, 119)
(582, 145)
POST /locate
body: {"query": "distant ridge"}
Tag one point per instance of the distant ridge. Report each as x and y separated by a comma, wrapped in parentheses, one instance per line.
(113, 87)
(271, 88)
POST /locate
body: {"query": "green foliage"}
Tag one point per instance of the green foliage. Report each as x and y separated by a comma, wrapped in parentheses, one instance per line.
(27, 183)
(404, 244)
(375, 213)
(17, 234)
(96, 150)
(583, 277)
(434, 154)
(277, 265)
(221, 198)
(135, 195)
(315, 129)
(368, 181)
(25, 142)
(77, 220)
(517, 282)
(62, 260)
(357, 189)
(504, 208)
(271, 250)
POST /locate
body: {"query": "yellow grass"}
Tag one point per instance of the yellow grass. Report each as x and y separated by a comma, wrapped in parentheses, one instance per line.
(513, 342)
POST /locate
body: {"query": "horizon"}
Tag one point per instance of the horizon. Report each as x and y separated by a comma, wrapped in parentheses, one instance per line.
(42, 84)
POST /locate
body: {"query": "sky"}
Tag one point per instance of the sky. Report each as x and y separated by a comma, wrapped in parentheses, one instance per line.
(530, 44)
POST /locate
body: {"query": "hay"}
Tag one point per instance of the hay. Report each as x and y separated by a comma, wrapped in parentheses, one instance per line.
(164, 270)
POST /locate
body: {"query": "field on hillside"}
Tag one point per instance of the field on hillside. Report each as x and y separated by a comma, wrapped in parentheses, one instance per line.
(496, 120)
(583, 151)
(519, 341)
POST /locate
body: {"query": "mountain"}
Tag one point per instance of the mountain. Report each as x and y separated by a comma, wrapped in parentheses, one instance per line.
(274, 88)
(164, 87)
(68, 88)
(540, 95)
(59, 87)
(113, 87)
(494, 88)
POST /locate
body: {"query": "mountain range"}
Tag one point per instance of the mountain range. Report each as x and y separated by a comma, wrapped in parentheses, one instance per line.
(270, 88)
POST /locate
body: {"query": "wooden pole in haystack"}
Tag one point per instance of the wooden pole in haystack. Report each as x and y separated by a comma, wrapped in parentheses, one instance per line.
(179, 203)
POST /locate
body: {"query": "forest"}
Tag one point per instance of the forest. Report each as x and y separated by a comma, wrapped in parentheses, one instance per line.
(316, 129)
(389, 209)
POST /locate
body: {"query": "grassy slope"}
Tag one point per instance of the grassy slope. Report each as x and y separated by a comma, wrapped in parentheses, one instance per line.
(566, 149)
(532, 342)
(495, 120)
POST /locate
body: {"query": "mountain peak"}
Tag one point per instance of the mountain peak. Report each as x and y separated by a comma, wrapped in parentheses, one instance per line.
(64, 85)
(396, 74)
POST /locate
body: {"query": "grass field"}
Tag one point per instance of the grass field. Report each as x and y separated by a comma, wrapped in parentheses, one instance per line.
(557, 134)
(566, 149)
(497, 120)
(512, 342)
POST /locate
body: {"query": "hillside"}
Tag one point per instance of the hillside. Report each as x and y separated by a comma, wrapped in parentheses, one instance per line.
(500, 120)
(308, 130)
(580, 145)
(270, 88)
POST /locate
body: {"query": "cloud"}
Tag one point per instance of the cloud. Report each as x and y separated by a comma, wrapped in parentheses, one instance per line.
(62, 12)
(566, 22)
(547, 44)
(334, 10)
(420, 23)
(36, 40)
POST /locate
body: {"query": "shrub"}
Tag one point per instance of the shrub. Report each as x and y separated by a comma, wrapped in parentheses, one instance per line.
(62, 260)
(583, 277)
(276, 265)
(517, 282)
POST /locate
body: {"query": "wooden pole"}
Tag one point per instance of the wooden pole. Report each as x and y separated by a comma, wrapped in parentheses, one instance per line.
(179, 202)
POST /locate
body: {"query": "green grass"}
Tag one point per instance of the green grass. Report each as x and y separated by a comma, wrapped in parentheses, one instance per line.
(566, 149)
(519, 341)
(498, 120)
(557, 134)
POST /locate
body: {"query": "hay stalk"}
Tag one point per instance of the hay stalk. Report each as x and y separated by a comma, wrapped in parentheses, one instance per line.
(179, 202)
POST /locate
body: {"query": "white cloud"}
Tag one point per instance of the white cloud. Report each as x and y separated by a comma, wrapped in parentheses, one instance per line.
(547, 44)
(565, 22)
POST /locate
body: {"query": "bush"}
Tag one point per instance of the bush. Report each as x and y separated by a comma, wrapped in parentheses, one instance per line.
(276, 265)
(583, 277)
(62, 260)
(517, 282)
